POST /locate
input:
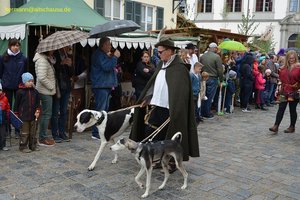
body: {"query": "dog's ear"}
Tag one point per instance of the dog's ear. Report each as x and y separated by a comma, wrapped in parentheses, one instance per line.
(85, 117)
(122, 141)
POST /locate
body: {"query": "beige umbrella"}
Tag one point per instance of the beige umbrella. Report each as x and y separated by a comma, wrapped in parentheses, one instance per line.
(61, 39)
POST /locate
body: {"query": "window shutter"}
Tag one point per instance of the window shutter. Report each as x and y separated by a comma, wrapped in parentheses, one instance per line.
(128, 10)
(137, 12)
(99, 7)
(159, 18)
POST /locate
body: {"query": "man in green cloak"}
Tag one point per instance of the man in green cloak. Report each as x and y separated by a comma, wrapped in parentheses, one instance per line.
(169, 94)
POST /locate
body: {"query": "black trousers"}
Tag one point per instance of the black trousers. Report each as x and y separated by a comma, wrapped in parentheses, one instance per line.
(157, 117)
(2, 135)
(293, 112)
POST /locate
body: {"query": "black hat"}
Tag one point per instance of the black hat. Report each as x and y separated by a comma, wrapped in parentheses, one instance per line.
(167, 42)
(190, 46)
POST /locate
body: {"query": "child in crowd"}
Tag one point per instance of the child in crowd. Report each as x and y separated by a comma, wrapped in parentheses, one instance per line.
(27, 109)
(202, 97)
(260, 87)
(230, 90)
(4, 119)
(196, 81)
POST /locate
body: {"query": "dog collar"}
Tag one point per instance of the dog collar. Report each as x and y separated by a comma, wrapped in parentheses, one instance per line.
(100, 120)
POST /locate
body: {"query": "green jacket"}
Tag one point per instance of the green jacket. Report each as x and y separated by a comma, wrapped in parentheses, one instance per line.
(181, 108)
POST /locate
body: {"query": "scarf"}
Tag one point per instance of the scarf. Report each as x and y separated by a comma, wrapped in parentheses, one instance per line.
(9, 52)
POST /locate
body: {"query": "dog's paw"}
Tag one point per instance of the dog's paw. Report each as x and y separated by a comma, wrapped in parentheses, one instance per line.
(183, 187)
(114, 161)
(91, 168)
(145, 195)
(161, 187)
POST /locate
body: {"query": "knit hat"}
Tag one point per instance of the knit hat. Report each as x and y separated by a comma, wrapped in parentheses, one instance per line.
(232, 74)
(26, 77)
(268, 71)
(0, 86)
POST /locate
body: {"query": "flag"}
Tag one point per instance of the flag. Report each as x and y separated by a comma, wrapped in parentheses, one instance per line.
(15, 121)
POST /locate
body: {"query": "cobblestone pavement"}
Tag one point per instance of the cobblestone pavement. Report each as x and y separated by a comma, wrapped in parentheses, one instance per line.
(239, 160)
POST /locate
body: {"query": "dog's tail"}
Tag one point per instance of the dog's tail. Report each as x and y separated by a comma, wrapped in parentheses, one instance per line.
(177, 137)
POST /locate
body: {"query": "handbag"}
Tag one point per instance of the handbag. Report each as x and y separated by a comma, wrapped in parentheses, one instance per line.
(296, 95)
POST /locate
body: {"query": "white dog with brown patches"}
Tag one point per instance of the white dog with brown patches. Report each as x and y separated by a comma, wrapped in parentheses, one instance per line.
(148, 153)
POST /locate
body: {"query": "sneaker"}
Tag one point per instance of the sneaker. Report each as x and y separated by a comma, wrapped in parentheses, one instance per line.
(64, 137)
(246, 110)
(95, 138)
(5, 149)
(57, 139)
(47, 142)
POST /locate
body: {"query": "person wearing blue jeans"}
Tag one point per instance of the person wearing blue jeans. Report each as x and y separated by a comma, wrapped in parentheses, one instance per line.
(46, 113)
(211, 88)
(103, 76)
(212, 64)
(64, 72)
(59, 116)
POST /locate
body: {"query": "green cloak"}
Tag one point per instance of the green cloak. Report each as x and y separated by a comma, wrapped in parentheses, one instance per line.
(181, 108)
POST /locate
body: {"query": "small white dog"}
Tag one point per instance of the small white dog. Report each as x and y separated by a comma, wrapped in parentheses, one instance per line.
(148, 153)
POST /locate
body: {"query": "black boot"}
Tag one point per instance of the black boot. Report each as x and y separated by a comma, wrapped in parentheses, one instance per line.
(263, 108)
(23, 145)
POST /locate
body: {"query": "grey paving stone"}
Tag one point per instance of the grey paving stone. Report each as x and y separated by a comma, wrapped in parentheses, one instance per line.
(239, 160)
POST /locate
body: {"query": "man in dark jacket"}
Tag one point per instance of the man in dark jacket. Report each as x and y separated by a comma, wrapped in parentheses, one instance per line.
(169, 93)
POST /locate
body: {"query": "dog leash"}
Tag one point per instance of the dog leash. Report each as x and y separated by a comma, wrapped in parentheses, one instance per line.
(127, 108)
(154, 133)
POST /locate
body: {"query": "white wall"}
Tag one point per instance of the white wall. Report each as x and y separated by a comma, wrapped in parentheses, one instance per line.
(5, 5)
(169, 17)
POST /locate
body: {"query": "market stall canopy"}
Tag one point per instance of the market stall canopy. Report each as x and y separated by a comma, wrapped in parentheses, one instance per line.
(139, 39)
(55, 13)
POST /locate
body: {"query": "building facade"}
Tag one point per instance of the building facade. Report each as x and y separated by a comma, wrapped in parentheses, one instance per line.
(150, 15)
(279, 15)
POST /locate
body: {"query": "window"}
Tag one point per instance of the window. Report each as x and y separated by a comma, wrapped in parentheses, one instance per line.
(146, 18)
(17, 3)
(133, 11)
(264, 5)
(234, 5)
(205, 6)
(110, 9)
(294, 5)
(159, 18)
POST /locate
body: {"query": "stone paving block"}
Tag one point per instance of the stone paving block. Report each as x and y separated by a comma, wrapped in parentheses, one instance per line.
(5, 197)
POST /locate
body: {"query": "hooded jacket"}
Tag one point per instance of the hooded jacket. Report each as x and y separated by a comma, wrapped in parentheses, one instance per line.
(246, 70)
(5, 107)
(11, 70)
(26, 103)
(181, 108)
(45, 78)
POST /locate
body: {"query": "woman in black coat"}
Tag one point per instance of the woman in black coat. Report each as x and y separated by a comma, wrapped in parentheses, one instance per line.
(142, 74)
(246, 81)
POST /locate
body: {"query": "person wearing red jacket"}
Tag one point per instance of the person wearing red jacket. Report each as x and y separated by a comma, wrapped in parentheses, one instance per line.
(289, 76)
(4, 119)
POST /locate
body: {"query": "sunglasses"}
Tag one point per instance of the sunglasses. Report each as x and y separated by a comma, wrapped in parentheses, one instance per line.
(160, 52)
